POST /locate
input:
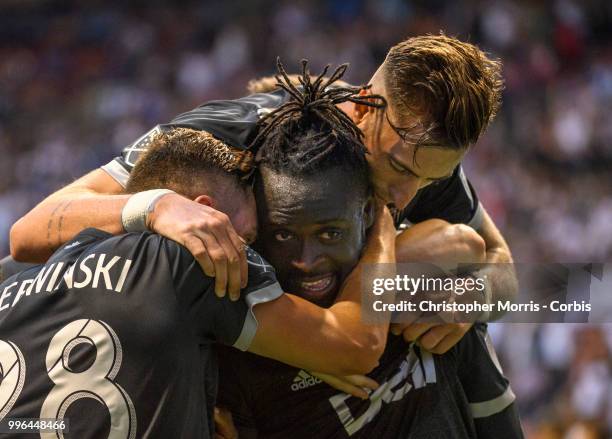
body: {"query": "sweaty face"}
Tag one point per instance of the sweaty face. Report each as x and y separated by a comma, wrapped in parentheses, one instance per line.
(311, 230)
(396, 172)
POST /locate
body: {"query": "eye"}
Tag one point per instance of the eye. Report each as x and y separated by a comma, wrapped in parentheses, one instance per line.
(396, 166)
(331, 235)
(283, 236)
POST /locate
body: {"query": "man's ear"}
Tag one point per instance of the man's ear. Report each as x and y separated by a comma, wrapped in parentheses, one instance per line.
(205, 200)
(369, 211)
(360, 111)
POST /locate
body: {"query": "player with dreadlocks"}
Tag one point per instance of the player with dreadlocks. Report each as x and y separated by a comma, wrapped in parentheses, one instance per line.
(132, 321)
(306, 146)
(318, 98)
(313, 236)
(433, 84)
(441, 93)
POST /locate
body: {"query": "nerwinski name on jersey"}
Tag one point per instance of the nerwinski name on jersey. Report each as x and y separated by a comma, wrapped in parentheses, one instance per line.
(96, 270)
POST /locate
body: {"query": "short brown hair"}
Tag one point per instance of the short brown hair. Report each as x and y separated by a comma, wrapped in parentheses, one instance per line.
(187, 161)
(452, 84)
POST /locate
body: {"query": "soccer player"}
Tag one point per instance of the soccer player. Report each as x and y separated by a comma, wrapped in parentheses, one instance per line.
(313, 237)
(115, 335)
(441, 95)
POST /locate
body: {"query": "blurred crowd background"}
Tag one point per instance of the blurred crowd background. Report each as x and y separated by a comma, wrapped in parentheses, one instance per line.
(79, 81)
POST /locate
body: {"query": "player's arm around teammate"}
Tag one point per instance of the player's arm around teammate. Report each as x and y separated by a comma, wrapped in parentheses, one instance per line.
(97, 200)
(440, 242)
(471, 237)
(202, 168)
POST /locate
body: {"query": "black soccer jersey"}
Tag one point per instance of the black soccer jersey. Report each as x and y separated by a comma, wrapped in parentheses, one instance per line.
(420, 396)
(9, 267)
(492, 402)
(453, 200)
(231, 121)
(234, 122)
(115, 335)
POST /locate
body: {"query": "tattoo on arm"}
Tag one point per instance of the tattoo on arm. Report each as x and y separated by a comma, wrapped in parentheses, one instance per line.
(54, 239)
(50, 223)
(61, 220)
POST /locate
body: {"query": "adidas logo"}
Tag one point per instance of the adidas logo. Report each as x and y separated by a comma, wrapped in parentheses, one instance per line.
(304, 380)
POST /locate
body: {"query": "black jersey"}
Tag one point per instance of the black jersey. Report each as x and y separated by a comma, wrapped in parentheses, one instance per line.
(9, 267)
(492, 402)
(231, 121)
(235, 122)
(452, 199)
(420, 396)
(115, 334)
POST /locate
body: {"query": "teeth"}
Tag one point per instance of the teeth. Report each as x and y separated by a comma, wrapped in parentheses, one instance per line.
(317, 285)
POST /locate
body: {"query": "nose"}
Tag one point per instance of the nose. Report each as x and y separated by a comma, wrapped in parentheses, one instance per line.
(310, 257)
(403, 194)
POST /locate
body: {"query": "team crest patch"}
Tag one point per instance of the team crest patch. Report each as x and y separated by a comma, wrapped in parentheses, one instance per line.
(132, 152)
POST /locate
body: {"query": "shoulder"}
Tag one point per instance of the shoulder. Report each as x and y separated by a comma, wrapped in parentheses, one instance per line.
(453, 200)
(233, 121)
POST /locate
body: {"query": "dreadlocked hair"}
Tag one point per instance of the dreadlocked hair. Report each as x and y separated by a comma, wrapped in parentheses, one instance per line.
(309, 132)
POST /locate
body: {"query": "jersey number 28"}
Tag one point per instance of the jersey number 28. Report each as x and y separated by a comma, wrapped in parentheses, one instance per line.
(95, 382)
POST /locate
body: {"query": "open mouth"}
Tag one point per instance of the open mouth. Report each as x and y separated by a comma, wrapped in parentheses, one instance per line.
(317, 287)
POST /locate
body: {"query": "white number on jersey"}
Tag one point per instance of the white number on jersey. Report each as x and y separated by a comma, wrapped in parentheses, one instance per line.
(96, 382)
(423, 372)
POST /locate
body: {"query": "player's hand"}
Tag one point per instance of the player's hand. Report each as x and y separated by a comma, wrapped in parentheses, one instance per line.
(359, 386)
(224, 424)
(383, 225)
(439, 242)
(210, 237)
(381, 234)
(435, 338)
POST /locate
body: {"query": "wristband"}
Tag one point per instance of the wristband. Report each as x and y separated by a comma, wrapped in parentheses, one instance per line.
(139, 206)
